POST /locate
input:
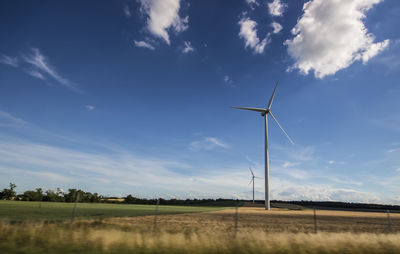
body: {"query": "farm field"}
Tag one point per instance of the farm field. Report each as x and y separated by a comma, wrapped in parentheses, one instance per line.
(258, 231)
(53, 211)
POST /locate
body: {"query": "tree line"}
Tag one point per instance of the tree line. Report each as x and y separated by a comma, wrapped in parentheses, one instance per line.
(58, 195)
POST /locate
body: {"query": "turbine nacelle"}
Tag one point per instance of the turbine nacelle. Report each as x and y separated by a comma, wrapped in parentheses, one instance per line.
(265, 112)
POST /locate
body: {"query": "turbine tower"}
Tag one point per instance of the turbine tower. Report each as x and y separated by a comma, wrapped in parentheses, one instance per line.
(252, 180)
(265, 113)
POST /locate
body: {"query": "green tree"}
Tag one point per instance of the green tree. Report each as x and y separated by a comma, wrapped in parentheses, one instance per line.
(8, 194)
(33, 195)
(54, 196)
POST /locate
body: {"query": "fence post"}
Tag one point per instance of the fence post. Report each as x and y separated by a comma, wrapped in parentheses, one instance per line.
(315, 221)
(74, 210)
(236, 217)
(389, 221)
(155, 217)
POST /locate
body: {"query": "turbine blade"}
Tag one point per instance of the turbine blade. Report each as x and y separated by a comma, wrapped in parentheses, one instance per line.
(273, 117)
(252, 109)
(272, 96)
(251, 171)
(251, 181)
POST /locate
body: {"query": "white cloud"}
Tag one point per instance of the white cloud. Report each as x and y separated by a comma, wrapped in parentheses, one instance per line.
(187, 48)
(248, 32)
(40, 67)
(398, 170)
(127, 11)
(393, 150)
(277, 27)
(331, 35)
(143, 44)
(288, 191)
(276, 8)
(331, 162)
(8, 60)
(89, 107)
(207, 143)
(252, 3)
(163, 15)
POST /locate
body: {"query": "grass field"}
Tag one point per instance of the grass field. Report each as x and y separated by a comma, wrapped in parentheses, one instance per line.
(258, 231)
(53, 211)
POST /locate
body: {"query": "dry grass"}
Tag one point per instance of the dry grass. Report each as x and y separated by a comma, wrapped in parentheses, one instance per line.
(276, 220)
(210, 232)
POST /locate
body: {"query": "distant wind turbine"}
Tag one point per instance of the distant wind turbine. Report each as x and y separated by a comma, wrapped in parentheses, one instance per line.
(252, 180)
(265, 113)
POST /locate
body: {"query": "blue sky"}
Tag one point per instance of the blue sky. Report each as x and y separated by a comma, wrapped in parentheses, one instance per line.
(134, 97)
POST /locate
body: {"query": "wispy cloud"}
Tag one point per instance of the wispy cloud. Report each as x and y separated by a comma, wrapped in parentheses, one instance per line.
(248, 33)
(208, 143)
(90, 107)
(122, 172)
(37, 65)
(331, 35)
(127, 11)
(9, 60)
(40, 67)
(391, 122)
(228, 79)
(393, 150)
(162, 15)
(143, 44)
(187, 47)
(119, 171)
(288, 164)
(36, 74)
(8, 120)
(142, 176)
(294, 173)
(50, 176)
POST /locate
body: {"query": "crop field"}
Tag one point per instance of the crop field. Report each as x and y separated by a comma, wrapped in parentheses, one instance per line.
(256, 231)
(53, 211)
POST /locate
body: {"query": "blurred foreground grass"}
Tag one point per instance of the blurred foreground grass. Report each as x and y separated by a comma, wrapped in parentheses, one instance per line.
(94, 237)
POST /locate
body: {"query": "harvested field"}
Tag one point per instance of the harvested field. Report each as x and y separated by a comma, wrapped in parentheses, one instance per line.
(276, 220)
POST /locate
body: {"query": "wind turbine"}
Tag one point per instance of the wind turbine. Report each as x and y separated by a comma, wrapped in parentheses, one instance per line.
(252, 180)
(265, 113)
